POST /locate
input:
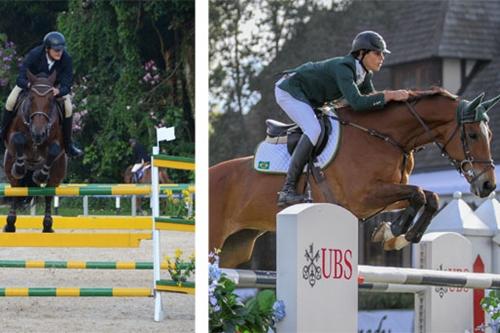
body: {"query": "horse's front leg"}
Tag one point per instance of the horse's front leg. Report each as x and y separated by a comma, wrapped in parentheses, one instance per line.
(18, 170)
(47, 219)
(41, 176)
(416, 232)
(384, 195)
(10, 226)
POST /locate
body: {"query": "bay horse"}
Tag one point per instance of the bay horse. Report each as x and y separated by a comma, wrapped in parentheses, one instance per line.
(130, 178)
(34, 153)
(369, 174)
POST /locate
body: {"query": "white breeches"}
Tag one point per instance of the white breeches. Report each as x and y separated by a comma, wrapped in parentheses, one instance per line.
(301, 113)
(14, 94)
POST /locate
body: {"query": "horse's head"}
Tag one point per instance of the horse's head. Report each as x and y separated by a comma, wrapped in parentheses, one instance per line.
(39, 110)
(468, 144)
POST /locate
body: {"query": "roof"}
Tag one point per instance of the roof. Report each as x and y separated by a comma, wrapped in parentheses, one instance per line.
(455, 29)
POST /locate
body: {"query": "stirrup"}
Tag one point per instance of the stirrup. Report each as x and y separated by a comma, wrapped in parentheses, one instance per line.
(287, 198)
(72, 151)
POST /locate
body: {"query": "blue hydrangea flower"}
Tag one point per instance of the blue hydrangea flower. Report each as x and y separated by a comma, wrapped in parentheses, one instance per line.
(279, 310)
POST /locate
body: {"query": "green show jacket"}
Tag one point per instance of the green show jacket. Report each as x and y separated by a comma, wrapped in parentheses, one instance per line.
(316, 83)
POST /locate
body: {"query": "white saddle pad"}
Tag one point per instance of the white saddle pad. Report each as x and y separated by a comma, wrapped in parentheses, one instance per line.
(273, 157)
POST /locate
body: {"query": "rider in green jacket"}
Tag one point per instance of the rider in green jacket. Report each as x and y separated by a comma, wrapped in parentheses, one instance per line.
(313, 84)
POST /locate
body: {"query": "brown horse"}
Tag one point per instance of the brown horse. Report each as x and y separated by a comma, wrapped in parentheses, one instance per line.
(368, 175)
(130, 178)
(35, 153)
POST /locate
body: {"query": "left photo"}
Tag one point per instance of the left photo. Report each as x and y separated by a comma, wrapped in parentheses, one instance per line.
(97, 190)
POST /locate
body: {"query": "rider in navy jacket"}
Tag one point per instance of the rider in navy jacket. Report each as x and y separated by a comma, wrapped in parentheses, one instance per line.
(36, 62)
(139, 153)
(49, 57)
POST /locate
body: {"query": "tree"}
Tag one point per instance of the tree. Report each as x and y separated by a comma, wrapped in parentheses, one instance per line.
(134, 71)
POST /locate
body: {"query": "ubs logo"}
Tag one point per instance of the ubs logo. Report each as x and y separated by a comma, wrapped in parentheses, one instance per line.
(444, 289)
(327, 263)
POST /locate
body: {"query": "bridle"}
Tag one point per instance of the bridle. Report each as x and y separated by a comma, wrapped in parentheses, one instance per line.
(42, 90)
(469, 159)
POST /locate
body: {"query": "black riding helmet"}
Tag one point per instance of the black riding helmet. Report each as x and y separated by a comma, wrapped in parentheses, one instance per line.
(369, 40)
(54, 40)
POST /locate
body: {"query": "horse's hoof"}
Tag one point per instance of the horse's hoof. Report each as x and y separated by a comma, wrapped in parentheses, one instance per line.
(382, 232)
(39, 178)
(9, 228)
(18, 172)
(396, 243)
(47, 224)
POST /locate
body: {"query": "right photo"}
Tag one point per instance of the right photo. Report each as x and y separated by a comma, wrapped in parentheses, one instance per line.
(352, 166)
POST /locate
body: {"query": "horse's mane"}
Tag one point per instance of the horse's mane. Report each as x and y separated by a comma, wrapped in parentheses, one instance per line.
(415, 96)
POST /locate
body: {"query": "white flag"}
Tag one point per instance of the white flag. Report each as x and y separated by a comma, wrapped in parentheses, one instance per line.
(165, 133)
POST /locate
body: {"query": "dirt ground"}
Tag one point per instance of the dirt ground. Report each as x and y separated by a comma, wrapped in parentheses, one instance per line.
(93, 314)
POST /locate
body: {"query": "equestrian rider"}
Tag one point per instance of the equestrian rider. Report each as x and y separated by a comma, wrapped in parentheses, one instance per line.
(139, 153)
(141, 160)
(313, 84)
(46, 58)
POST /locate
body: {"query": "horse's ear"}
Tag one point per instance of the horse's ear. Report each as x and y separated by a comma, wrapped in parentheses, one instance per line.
(52, 77)
(31, 77)
(488, 105)
(475, 103)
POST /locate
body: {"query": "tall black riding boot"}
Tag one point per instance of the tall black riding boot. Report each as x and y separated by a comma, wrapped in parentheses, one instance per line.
(288, 195)
(71, 150)
(8, 116)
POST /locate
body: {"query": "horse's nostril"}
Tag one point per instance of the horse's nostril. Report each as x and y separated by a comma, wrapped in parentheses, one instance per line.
(487, 185)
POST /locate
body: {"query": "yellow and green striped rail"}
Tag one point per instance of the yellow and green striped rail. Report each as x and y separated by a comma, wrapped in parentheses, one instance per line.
(105, 222)
(161, 285)
(90, 189)
(129, 265)
(175, 287)
(97, 240)
(76, 292)
(174, 224)
(173, 162)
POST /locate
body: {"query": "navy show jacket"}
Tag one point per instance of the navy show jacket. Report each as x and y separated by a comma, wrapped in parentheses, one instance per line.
(36, 62)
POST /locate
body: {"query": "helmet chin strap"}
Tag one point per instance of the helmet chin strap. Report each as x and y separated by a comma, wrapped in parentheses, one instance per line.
(361, 61)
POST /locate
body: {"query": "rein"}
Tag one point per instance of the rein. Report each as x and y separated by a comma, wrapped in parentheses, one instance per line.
(380, 136)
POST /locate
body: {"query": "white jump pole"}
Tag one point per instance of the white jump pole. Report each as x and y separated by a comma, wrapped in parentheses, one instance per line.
(162, 134)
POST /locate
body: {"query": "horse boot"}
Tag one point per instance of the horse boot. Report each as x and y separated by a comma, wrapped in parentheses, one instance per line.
(288, 194)
(8, 116)
(71, 150)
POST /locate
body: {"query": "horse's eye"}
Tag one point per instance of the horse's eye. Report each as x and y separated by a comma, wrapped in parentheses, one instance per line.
(473, 136)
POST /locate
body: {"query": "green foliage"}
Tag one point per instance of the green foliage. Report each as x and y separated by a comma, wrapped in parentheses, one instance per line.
(491, 304)
(179, 270)
(376, 301)
(229, 313)
(110, 42)
(27, 22)
(237, 56)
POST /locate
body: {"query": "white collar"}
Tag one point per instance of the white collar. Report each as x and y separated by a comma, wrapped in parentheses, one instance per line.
(50, 62)
(360, 72)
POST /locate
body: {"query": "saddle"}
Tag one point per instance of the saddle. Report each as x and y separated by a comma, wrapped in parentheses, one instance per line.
(138, 171)
(291, 133)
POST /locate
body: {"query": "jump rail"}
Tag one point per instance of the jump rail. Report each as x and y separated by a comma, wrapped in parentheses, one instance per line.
(131, 265)
(103, 222)
(76, 190)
